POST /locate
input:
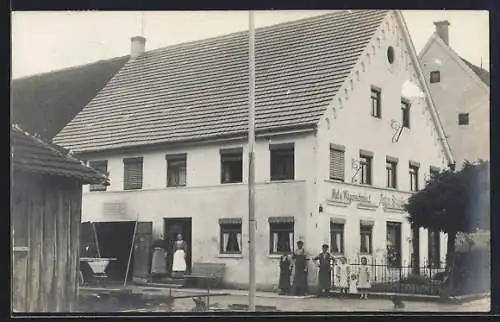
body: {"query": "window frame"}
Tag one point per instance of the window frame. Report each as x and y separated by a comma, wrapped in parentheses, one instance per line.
(286, 150)
(405, 110)
(433, 78)
(280, 227)
(399, 243)
(391, 166)
(102, 167)
(463, 119)
(376, 102)
(337, 227)
(237, 155)
(366, 229)
(127, 162)
(235, 228)
(333, 171)
(171, 160)
(366, 161)
(413, 171)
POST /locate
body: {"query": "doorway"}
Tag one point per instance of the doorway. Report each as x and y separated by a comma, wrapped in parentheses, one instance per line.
(172, 227)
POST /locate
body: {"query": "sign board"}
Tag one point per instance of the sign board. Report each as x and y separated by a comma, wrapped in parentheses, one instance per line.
(385, 200)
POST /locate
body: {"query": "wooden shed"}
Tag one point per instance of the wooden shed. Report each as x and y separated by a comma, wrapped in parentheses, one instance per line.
(46, 199)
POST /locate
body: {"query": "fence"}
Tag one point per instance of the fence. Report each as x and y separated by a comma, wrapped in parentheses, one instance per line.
(411, 279)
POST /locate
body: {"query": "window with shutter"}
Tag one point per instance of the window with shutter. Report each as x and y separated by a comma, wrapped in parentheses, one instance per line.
(176, 170)
(132, 178)
(101, 166)
(336, 164)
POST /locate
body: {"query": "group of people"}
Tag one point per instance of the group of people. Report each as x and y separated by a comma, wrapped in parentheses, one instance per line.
(159, 260)
(295, 263)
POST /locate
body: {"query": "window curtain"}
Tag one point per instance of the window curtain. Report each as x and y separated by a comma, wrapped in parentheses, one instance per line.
(225, 241)
(238, 237)
(182, 175)
(367, 242)
(290, 241)
(337, 242)
(275, 242)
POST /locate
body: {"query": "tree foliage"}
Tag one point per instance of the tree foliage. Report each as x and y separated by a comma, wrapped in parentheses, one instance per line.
(453, 201)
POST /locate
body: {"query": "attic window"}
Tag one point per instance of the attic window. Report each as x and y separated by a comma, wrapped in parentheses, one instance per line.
(435, 76)
(390, 55)
(463, 119)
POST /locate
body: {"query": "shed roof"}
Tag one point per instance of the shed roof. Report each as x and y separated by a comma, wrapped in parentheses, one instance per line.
(483, 74)
(44, 104)
(31, 154)
(199, 90)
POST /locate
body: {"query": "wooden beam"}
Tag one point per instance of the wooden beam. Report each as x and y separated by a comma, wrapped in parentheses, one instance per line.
(34, 198)
(48, 276)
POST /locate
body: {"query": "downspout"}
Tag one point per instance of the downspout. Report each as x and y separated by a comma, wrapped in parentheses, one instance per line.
(428, 97)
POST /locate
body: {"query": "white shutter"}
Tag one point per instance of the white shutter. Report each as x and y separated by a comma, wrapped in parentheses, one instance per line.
(336, 164)
(275, 242)
(239, 241)
(225, 241)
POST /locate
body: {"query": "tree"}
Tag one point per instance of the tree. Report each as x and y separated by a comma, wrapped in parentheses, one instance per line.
(452, 202)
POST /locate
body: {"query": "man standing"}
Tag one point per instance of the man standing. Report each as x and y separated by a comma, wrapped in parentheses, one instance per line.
(300, 277)
(325, 272)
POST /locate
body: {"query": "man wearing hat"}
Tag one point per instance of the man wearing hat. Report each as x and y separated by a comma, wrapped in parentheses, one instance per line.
(324, 260)
(300, 278)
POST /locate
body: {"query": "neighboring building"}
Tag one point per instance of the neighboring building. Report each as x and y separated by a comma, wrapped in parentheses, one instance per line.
(461, 92)
(45, 103)
(331, 93)
(46, 200)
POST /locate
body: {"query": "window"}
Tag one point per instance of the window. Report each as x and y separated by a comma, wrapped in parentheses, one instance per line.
(413, 177)
(390, 55)
(365, 162)
(376, 102)
(435, 77)
(230, 236)
(337, 163)
(415, 243)
(365, 233)
(391, 167)
(394, 244)
(132, 178)
(337, 238)
(281, 235)
(463, 119)
(282, 162)
(433, 172)
(405, 109)
(434, 252)
(231, 165)
(101, 166)
(176, 170)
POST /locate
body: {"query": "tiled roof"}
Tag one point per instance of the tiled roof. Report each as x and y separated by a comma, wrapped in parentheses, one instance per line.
(31, 154)
(199, 90)
(45, 103)
(484, 75)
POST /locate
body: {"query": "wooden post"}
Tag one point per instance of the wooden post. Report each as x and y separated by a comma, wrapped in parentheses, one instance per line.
(131, 250)
(94, 230)
(251, 172)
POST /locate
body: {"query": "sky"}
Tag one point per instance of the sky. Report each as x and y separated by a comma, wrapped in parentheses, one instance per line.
(44, 41)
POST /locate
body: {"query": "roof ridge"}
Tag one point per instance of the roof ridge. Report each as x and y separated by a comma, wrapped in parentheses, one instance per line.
(263, 28)
(65, 69)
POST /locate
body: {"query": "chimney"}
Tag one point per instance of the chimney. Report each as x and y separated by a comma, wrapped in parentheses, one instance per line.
(442, 30)
(138, 46)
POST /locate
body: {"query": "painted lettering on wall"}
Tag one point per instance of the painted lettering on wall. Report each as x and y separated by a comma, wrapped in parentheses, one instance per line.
(384, 200)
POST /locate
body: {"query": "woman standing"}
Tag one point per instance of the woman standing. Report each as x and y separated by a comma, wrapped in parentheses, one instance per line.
(343, 276)
(300, 276)
(364, 278)
(325, 270)
(285, 273)
(179, 262)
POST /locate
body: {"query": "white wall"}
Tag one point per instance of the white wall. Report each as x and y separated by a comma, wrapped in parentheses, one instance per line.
(459, 91)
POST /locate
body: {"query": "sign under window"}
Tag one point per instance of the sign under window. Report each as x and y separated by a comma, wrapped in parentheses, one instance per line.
(281, 237)
(176, 170)
(282, 162)
(337, 238)
(230, 237)
(231, 166)
(132, 178)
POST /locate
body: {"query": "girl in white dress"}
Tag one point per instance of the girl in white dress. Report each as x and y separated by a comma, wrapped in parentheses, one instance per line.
(364, 278)
(179, 261)
(343, 273)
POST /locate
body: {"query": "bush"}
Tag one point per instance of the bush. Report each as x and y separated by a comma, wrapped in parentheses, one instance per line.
(415, 279)
(473, 271)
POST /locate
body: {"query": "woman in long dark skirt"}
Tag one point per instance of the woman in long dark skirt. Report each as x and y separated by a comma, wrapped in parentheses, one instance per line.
(325, 270)
(285, 273)
(300, 277)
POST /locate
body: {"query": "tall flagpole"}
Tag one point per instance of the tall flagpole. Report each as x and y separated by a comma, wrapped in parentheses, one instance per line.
(251, 171)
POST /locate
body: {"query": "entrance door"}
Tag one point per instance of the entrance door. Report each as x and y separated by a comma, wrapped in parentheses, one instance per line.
(142, 252)
(173, 227)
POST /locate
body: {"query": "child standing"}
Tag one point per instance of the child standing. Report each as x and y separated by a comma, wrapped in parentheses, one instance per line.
(343, 273)
(364, 278)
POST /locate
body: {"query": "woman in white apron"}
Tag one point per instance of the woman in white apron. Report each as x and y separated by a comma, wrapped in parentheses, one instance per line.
(179, 261)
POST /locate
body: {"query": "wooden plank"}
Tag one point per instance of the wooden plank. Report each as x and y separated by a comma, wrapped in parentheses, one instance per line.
(74, 245)
(60, 264)
(47, 280)
(20, 253)
(33, 195)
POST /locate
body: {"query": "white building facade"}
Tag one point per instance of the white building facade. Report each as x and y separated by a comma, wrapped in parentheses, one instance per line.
(342, 182)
